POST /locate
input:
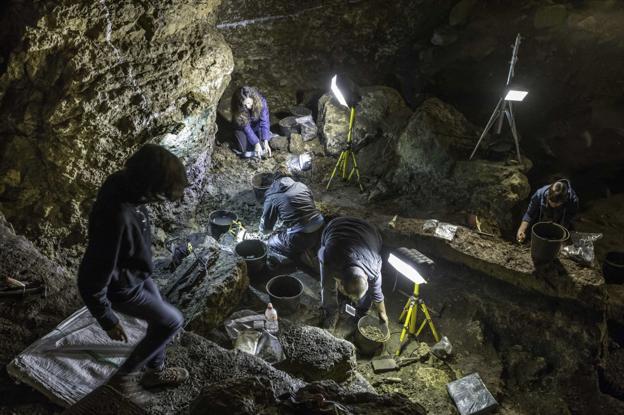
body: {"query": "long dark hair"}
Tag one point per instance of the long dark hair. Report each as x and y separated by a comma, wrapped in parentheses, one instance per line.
(153, 170)
(240, 114)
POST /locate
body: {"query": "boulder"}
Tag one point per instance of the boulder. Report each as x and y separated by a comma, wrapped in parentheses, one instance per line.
(279, 142)
(314, 354)
(205, 294)
(296, 145)
(380, 112)
(89, 82)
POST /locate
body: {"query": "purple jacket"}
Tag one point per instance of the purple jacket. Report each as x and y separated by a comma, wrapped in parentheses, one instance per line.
(259, 128)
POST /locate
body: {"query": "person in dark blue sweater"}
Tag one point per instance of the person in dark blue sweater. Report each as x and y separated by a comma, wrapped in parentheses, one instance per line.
(556, 202)
(292, 203)
(115, 272)
(250, 114)
(350, 259)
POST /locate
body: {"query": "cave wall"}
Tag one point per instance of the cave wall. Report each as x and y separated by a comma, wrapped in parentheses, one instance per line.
(570, 59)
(89, 83)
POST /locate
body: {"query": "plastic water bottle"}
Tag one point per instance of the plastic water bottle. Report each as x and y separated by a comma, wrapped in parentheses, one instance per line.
(270, 316)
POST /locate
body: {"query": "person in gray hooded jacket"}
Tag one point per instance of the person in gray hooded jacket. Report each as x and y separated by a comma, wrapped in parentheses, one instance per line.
(292, 203)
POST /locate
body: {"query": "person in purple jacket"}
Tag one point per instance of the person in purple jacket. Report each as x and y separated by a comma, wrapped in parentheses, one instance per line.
(115, 275)
(250, 114)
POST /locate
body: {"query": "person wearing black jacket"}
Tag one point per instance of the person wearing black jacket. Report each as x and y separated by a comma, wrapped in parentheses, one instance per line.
(292, 203)
(115, 272)
(350, 259)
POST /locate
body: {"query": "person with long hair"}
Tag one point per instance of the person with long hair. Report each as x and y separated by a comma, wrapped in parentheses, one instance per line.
(556, 202)
(115, 274)
(250, 114)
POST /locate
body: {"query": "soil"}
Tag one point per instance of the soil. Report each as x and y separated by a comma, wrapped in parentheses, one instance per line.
(373, 333)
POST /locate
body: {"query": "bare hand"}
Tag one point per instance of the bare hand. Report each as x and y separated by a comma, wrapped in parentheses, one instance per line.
(521, 236)
(383, 317)
(118, 333)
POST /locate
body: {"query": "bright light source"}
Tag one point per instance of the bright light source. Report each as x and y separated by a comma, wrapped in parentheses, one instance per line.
(515, 95)
(406, 269)
(337, 92)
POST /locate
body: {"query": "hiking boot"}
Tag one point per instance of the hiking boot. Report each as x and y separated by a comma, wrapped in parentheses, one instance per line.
(170, 376)
(127, 385)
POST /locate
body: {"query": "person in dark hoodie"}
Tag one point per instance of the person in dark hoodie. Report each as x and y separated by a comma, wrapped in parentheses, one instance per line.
(556, 202)
(250, 114)
(292, 203)
(350, 260)
(115, 272)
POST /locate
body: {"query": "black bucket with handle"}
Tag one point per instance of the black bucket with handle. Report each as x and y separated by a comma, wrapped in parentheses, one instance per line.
(254, 252)
(546, 240)
(285, 293)
(221, 222)
(261, 183)
(613, 267)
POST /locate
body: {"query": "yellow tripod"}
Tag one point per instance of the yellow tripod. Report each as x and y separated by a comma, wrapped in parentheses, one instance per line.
(347, 154)
(410, 313)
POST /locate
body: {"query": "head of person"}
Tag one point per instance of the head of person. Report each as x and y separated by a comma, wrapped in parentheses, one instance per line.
(557, 194)
(281, 172)
(153, 173)
(246, 104)
(353, 283)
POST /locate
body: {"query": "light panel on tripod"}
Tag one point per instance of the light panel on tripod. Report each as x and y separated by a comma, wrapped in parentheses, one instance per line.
(337, 92)
(406, 269)
(515, 95)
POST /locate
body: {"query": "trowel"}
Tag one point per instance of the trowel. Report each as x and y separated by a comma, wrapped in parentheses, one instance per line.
(388, 364)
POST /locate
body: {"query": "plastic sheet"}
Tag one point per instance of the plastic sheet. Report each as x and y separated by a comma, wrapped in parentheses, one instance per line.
(582, 247)
(308, 127)
(471, 395)
(249, 335)
(300, 162)
(440, 229)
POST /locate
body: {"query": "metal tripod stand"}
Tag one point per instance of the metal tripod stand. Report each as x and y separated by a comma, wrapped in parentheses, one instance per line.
(504, 108)
(410, 313)
(346, 155)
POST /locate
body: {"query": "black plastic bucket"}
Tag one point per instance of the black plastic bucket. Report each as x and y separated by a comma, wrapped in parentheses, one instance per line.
(285, 293)
(546, 240)
(261, 183)
(220, 222)
(613, 267)
(254, 252)
(366, 345)
(288, 126)
(300, 111)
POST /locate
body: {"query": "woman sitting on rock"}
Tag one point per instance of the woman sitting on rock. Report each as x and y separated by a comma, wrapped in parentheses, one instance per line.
(250, 114)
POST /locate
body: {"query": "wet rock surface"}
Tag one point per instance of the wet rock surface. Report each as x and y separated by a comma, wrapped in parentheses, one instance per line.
(88, 84)
(314, 354)
(206, 286)
(24, 320)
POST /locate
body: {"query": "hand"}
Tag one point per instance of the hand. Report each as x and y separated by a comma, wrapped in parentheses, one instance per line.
(258, 149)
(383, 317)
(267, 148)
(521, 236)
(118, 333)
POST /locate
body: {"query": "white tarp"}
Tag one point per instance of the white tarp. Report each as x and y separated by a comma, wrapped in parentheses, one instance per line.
(74, 358)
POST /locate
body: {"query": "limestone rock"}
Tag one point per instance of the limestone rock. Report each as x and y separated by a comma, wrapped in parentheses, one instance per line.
(549, 16)
(314, 146)
(279, 143)
(91, 81)
(381, 111)
(296, 145)
(206, 296)
(314, 354)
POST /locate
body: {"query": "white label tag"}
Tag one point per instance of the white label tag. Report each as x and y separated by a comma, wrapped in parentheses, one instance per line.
(350, 310)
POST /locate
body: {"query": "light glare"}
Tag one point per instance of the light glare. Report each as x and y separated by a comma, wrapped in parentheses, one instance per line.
(337, 92)
(407, 270)
(515, 95)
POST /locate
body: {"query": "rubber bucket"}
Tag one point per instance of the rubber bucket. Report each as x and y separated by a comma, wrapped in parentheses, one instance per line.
(254, 252)
(367, 345)
(300, 111)
(261, 183)
(285, 293)
(613, 267)
(546, 239)
(220, 222)
(288, 126)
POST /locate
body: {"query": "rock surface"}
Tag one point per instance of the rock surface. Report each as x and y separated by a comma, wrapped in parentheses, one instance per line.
(22, 321)
(314, 354)
(87, 85)
(205, 295)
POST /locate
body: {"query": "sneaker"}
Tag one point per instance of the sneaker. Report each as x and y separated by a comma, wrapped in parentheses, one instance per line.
(170, 376)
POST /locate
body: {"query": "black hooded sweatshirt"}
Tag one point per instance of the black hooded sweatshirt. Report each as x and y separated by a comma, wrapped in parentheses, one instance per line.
(293, 203)
(118, 257)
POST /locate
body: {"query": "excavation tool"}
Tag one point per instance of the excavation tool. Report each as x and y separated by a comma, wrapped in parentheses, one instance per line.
(389, 364)
(404, 260)
(347, 155)
(504, 108)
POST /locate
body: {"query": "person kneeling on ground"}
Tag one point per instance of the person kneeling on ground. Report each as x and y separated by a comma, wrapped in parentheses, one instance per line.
(292, 203)
(556, 202)
(250, 114)
(115, 273)
(350, 260)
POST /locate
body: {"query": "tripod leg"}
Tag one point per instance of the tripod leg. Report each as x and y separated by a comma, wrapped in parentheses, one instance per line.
(334, 171)
(412, 323)
(428, 319)
(404, 312)
(487, 127)
(514, 132)
(356, 169)
(410, 310)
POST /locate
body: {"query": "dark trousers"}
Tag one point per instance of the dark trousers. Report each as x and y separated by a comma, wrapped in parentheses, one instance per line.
(240, 140)
(294, 244)
(163, 322)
